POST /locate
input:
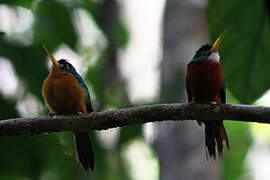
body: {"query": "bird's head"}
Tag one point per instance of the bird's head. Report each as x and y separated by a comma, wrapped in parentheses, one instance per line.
(61, 65)
(209, 52)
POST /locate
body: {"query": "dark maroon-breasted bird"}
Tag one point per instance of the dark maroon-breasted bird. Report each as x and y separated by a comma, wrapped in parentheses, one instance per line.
(65, 93)
(205, 85)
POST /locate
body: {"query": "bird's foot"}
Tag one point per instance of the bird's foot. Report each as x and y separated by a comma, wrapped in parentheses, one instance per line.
(52, 114)
(199, 122)
(192, 102)
(80, 113)
(213, 102)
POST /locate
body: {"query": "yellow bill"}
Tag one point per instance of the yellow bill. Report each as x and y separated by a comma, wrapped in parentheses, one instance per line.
(54, 61)
(218, 41)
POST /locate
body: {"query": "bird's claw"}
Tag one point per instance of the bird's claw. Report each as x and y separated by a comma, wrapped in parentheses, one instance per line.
(213, 103)
(52, 114)
(192, 102)
(80, 113)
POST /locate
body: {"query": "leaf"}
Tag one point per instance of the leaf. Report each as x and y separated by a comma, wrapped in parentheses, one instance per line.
(233, 161)
(121, 34)
(29, 62)
(129, 133)
(23, 3)
(31, 156)
(94, 75)
(245, 51)
(53, 25)
(7, 108)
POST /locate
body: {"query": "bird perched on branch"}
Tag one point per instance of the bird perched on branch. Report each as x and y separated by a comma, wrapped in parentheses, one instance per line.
(65, 93)
(205, 85)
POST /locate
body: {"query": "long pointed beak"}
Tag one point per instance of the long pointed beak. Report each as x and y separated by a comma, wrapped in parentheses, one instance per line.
(54, 61)
(218, 41)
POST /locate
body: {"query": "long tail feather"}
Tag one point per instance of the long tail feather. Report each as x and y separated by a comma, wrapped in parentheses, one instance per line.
(84, 150)
(215, 135)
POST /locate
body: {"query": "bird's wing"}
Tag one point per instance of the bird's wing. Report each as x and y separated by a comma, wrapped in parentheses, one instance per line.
(85, 88)
(88, 98)
(188, 92)
(187, 85)
(223, 93)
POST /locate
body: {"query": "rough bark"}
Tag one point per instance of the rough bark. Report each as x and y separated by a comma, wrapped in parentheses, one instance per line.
(134, 116)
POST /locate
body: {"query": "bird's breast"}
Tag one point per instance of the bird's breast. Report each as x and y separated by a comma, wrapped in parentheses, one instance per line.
(205, 79)
(63, 94)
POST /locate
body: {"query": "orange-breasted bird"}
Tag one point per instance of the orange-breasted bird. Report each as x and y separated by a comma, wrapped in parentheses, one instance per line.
(205, 85)
(65, 93)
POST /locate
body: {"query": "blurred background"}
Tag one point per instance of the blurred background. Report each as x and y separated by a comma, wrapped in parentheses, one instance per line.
(133, 52)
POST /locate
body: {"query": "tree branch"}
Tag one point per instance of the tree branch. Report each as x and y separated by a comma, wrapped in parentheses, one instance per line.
(133, 116)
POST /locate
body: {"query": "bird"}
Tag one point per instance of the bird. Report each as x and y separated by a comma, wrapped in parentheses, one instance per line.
(205, 84)
(65, 93)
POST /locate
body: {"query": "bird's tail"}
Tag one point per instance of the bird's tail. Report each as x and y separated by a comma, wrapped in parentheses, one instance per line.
(84, 150)
(215, 134)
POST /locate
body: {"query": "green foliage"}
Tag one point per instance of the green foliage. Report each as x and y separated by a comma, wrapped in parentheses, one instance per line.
(30, 65)
(23, 3)
(233, 160)
(29, 156)
(244, 52)
(53, 24)
(122, 35)
(129, 133)
(95, 77)
(7, 106)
